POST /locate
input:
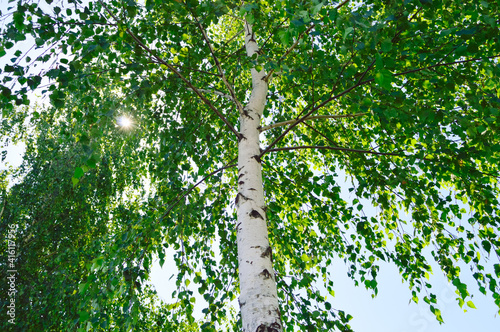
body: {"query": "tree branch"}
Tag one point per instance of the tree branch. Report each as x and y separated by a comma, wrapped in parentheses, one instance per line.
(314, 109)
(215, 92)
(303, 118)
(445, 64)
(219, 67)
(284, 123)
(175, 71)
(334, 148)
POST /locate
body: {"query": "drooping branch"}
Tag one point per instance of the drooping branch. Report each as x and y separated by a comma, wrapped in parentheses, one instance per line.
(284, 123)
(175, 71)
(218, 65)
(187, 192)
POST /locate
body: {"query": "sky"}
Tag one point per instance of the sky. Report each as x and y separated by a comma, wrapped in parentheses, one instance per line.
(390, 311)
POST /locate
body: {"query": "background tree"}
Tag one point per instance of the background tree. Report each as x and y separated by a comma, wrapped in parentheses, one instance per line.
(401, 96)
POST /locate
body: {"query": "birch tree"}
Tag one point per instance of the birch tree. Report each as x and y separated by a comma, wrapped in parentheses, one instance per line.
(245, 121)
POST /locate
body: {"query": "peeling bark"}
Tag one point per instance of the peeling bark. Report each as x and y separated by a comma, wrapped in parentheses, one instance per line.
(259, 298)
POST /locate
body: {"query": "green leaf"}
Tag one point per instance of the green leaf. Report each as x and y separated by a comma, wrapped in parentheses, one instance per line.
(347, 32)
(78, 173)
(470, 304)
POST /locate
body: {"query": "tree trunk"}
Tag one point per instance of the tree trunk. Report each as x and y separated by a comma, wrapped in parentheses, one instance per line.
(259, 298)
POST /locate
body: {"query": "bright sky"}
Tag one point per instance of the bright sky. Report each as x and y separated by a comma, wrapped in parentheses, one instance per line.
(390, 311)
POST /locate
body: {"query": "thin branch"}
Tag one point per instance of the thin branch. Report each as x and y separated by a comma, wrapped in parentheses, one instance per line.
(335, 148)
(175, 71)
(343, 3)
(215, 92)
(194, 186)
(284, 123)
(445, 64)
(219, 67)
(233, 37)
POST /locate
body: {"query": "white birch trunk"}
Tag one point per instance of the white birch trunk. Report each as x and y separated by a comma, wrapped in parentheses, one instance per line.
(259, 299)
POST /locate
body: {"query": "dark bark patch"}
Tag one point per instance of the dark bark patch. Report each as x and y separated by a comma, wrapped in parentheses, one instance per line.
(253, 189)
(237, 200)
(257, 157)
(265, 273)
(256, 214)
(274, 327)
(239, 176)
(267, 253)
(241, 137)
(246, 113)
(241, 182)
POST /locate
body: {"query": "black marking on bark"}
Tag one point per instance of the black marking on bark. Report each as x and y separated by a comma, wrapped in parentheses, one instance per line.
(267, 253)
(265, 273)
(255, 247)
(242, 303)
(239, 169)
(245, 113)
(241, 137)
(236, 201)
(275, 327)
(239, 176)
(257, 157)
(255, 214)
(238, 225)
(252, 39)
(253, 189)
(264, 208)
(243, 196)
(241, 182)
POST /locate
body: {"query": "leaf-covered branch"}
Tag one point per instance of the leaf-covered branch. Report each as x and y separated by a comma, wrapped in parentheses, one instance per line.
(175, 71)
(218, 65)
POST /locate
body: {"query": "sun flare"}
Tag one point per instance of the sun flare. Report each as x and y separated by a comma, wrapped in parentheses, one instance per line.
(124, 122)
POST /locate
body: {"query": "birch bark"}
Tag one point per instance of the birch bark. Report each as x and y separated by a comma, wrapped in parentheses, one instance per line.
(259, 299)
